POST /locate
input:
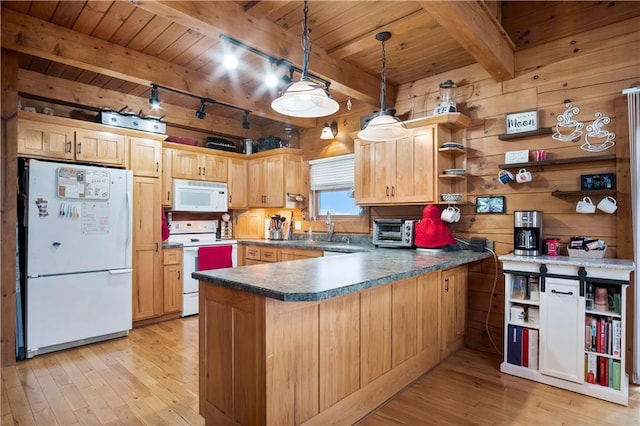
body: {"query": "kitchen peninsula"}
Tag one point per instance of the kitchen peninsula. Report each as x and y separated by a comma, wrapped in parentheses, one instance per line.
(326, 340)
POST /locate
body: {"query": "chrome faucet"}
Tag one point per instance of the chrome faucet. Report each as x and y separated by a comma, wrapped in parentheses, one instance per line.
(329, 226)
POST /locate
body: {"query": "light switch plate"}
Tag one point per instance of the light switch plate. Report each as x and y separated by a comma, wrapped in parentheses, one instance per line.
(298, 224)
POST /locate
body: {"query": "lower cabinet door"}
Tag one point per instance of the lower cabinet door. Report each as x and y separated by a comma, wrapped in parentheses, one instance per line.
(562, 330)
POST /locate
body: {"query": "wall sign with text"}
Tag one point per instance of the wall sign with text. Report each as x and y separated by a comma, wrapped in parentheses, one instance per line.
(519, 122)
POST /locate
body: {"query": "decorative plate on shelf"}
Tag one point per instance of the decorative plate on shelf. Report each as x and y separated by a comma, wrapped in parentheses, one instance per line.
(452, 145)
(451, 197)
(454, 171)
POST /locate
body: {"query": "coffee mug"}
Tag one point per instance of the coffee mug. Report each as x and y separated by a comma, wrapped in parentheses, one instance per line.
(523, 176)
(608, 205)
(450, 214)
(540, 155)
(585, 206)
(505, 176)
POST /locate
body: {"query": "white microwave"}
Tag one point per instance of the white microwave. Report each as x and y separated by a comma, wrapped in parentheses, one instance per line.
(198, 196)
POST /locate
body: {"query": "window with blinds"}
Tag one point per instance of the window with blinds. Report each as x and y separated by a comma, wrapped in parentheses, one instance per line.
(332, 185)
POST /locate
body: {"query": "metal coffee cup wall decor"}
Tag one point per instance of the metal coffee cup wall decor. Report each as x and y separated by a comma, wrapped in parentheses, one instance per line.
(568, 129)
(597, 139)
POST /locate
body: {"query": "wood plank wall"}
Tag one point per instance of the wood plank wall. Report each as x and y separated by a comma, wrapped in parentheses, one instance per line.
(589, 69)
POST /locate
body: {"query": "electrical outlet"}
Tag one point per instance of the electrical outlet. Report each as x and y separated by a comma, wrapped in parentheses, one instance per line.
(298, 225)
(490, 245)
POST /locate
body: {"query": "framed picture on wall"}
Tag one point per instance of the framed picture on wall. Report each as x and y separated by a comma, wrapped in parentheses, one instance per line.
(495, 204)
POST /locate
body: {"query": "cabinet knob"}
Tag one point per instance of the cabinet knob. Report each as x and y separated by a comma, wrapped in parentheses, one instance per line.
(69, 146)
(204, 171)
(157, 166)
(446, 284)
(178, 274)
(387, 192)
(393, 191)
(78, 148)
(568, 293)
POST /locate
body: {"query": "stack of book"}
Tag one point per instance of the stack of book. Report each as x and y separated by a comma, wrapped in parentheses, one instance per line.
(603, 335)
(601, 370)
(522, 346)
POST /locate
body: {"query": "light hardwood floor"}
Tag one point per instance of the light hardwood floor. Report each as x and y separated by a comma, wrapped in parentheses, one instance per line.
(151, 378)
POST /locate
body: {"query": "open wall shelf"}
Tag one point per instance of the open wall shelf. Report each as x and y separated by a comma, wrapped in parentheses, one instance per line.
(602, 192)
(541, 131)
(539, 164)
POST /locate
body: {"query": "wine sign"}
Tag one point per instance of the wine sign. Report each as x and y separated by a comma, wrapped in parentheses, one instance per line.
(519, 122)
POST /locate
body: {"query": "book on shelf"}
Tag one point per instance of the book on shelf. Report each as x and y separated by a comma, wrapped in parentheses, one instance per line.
(592, 368)
(525, 347)
(616, 326)
(514, 345)
(616, 374)
(532, 349)
(610, 372)
(602, 371)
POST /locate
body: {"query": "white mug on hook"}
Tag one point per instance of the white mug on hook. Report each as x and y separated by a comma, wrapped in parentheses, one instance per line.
(585, 206)
(523, 176)
(608, 205)
(450, 214)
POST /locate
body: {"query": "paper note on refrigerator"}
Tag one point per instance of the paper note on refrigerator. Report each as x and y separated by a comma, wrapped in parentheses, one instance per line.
(95, 218)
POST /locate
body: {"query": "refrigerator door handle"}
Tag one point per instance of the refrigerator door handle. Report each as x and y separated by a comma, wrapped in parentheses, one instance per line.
(129, 213)
(120, 271)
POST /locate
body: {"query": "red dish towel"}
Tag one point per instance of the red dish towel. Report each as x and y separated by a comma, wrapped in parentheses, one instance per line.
(214, 257)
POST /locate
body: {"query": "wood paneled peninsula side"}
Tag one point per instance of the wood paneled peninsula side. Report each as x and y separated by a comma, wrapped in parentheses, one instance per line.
(328, 339)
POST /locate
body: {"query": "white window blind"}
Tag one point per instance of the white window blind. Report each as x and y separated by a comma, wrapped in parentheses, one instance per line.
(333, 173)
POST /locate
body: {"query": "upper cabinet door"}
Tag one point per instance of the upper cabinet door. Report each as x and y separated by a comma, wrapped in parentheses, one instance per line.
(237, 180)
(146, 157)
(214, 168)
(372, 172)
(45, 140)
(100, 147)
(274, 181)
(414, 168)
(186, 165)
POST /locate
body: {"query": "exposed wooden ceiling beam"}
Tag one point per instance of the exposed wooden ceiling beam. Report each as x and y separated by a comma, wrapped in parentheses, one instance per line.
(91, 96)
(230, 18)
(472, 25)
(42, 39)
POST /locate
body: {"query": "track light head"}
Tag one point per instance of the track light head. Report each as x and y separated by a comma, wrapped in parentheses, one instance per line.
(200, 113)
(154, 100)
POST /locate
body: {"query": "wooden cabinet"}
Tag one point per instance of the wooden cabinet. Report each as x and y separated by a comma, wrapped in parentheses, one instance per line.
(562, 355)
(563, 338)
(197, 166)
(146, 157)
(167, 178)
(453, 305)
(237, 183)
(396, 172)
(286, 253)
(60, 142)
(172, 280)
(100, 147)
(257, 254)
(271, 176)
(254, 254)
(416, 169)
(331, 361)
(147, 256)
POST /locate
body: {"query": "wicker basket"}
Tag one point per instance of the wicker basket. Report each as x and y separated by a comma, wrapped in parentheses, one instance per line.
(591, 254)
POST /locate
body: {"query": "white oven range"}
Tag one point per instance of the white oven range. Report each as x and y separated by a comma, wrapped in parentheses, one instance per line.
(192, 235)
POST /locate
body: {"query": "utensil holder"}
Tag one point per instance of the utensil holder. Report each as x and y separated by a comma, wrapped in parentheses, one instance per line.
(275, 234)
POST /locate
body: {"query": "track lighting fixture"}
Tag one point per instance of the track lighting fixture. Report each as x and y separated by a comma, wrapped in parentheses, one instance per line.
(201, 112)
(384, 126)
(329, 131)
(154, 100)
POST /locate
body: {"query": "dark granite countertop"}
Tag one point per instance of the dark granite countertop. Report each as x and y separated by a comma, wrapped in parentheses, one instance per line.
(313, 245)
(326, 277)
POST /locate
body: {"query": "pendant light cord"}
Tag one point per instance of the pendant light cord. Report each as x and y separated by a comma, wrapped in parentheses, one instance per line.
(305, 43)
(383, 82)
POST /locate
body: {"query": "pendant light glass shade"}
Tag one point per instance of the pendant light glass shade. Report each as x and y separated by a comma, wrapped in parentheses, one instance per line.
(304, 98)
(384, 126)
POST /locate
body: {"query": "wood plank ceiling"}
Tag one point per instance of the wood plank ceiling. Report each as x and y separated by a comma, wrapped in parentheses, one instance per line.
(120, 47)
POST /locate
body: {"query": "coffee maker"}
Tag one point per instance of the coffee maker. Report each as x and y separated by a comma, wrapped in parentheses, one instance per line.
(527, 233)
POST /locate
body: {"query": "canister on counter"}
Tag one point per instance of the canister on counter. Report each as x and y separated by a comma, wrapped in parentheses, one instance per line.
(553, 246)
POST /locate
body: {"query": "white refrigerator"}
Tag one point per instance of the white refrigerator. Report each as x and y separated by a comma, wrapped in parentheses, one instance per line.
(78, 268)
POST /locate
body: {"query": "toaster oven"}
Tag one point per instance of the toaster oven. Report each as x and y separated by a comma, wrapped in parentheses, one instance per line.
(393, 232)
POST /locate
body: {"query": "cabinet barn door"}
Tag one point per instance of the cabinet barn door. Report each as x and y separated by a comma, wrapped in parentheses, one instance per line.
(562, 330)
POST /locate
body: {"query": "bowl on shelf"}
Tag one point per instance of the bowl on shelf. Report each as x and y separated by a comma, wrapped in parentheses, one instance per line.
(454, 198)
(452, 145)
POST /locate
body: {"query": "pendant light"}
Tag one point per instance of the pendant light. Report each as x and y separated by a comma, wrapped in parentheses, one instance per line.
(384, 126)
(304, 98)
